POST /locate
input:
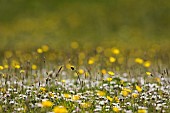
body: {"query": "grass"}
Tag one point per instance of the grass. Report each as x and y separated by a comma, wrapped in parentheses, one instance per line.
(92, 79)
(99, 56)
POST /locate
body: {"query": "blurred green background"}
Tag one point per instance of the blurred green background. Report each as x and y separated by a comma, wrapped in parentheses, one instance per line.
(25, 24)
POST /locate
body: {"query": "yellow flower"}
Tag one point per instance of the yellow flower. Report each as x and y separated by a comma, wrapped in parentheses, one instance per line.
(42, 89)
(14, 63)
(101, 93)
(91, 61)
(66, 95)
(34, 67)
(139, 60)
(3, 90)
(116, 99)
(142, 111)
(126, 89)
(138, 88)
(1, 67)
(85, 104)
(149, 73)
(111, 73)
(17, 66)
(115, 51)
(147, 64)
(109, 98)
(124, 93)
(112, 59)
(6, 66)
(47, 103)
(60, 109)
(135, 95)
(45, 48)
(158, 79)
(51, 94)
(81, 71)
(74, 45)
(116, 109)
(39, 50)
(68, 66)
(103, 71)
(63, 81)
(75, 97)
(109, 79)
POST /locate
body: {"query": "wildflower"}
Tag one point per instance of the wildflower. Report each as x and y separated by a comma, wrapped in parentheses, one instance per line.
(75, 97)
(126, 89)
(135, 95)
(147, 64)
(42, 89)
(109, 79)
(63, 81)
(6, 66)
(109, 98)
(138, 88)
(74, 45)
(47, 103)
(149, 73)
(1, 67)
(116, 99)
(116, 109)
(91, 61)
(39, 50)
(51, 94)
(68, 66)
(66, 95)
(34, 67)
(115, 51)
(101, 93)
(45, 48)
(17, 66)
(111, 73)
(142, 111)
(158, 79)
(124, 93)
(122, 82)
(112, 59)
(14, 63)
(81, 71)
(103, 71)
(139, 60)
(60, 109)
(85, 104)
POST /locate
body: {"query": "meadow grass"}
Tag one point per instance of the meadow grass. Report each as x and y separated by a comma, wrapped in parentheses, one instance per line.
(99, 79)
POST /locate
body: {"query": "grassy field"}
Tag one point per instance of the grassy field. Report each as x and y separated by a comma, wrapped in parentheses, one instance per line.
(84, 56)
(85, 80)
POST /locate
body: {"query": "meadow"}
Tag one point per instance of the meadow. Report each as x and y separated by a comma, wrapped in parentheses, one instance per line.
(99, 79)
(88, 56)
